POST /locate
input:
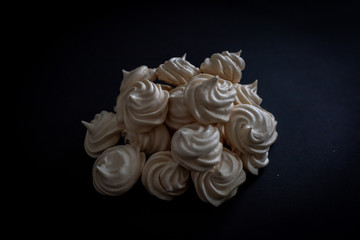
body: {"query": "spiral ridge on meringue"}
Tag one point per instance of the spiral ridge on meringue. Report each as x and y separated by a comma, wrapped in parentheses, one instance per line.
(177, 71)
(251, 129)
(227, 65)
(221, 182)
(157, 139)
(163, 177)
(247, 94)
(178, 113)
(197, 147)
(138, 74)
(209, 98)
(117, 169)
(102, 132)
(142, 106)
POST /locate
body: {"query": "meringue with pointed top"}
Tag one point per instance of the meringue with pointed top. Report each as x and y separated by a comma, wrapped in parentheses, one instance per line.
(103, 131)
(163, 177)
(117, 169)
(209, 98)
(197, 147)
(177, 71)
(227, 65)
(138, 74)
(221, 182)
(247, 94)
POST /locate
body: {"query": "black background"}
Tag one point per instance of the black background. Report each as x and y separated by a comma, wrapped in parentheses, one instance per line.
(306, 58)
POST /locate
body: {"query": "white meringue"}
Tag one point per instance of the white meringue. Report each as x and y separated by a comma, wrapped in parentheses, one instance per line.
(227, 65)
(178, 113)
(247, 94)
(117, 169)
(138, 74)
(253, 162)
(197, 147)
(209, 98)
(142, 106)
(177, 71)
(221, 182)
(163, 177)
(102, 132)
(157, 139)
(252, 131)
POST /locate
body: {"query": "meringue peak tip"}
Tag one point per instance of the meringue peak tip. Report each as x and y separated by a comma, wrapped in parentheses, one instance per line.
(86, 124)
(238, 53)
(125, 73)
(184, 56)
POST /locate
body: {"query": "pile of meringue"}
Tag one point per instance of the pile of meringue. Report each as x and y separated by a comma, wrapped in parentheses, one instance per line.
(181, 125)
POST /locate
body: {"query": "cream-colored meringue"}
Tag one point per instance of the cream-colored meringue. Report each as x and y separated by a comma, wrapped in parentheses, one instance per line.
(251, 130)
(209, 99)
(163, 177)
(247, 94)
(197, 147)
(142, 106)
(138, 74)
(221, 182)
(158, 139)
(102, 132)
(253, 162)
(117, 169)
(227, 65)
(178, 113)
(177, 71)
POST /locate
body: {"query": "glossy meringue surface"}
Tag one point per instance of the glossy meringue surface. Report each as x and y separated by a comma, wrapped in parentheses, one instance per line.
(182, 125)
(117, 169)
(163, 177)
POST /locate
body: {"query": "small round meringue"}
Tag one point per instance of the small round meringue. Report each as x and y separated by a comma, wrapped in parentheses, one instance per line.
(157, 139)
(117, 169)
(163, 177)
(197, 147)
(221, 182)
(177, 71)
(102, 132)
(227, 65)
(209, 98)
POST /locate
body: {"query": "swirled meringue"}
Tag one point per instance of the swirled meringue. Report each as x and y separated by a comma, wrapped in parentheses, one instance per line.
(163, 177)
(178, 113)
(221, 182)
(209, 98)
(253, 162)
(138, 74)
(197, 147)
(142, 106)
(247, 94)
(117, 169)
(102, 132)
(158, 139)
(251, 129)
(227, 65)
(177, 71)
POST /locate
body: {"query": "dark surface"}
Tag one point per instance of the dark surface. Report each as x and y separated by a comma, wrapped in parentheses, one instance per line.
(306, 58)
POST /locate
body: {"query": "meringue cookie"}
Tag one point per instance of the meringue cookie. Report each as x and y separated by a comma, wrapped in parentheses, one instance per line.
(163, 177)
(102, 132)
(117, 169)
(142, 106)
(158, 139)
(221, 182)
(178, 113)
(251, 129)
(226, 65)
(247, 94)
(177, 71)
(209, 98)
(197, 147)
(140, 73)
(253, 162)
